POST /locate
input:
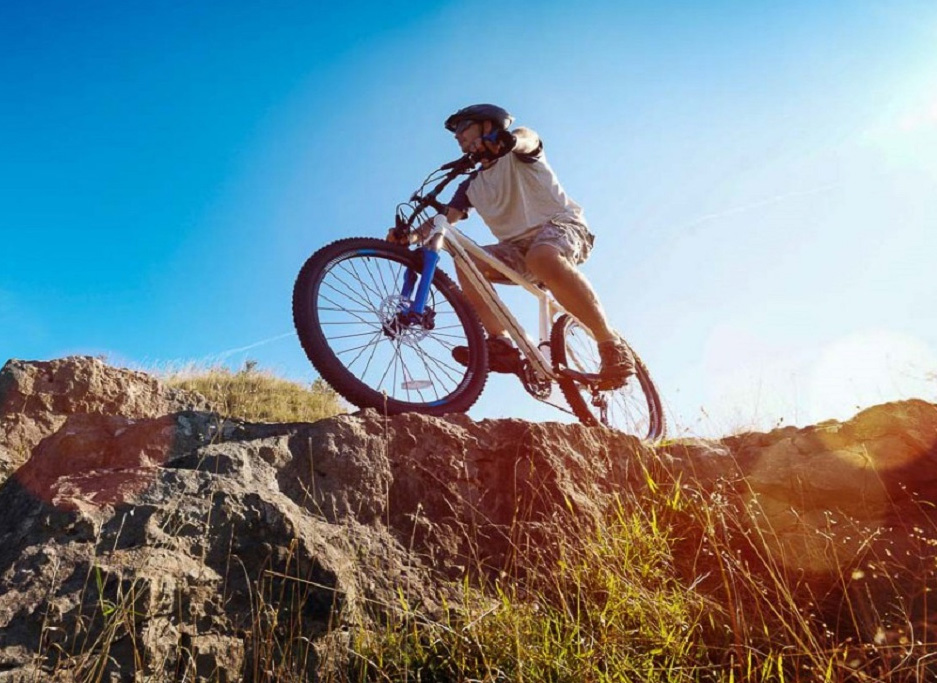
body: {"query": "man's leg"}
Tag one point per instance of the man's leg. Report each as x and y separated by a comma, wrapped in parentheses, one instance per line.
(570, 287)
(502, 355)
(573, 291)
(491, 323)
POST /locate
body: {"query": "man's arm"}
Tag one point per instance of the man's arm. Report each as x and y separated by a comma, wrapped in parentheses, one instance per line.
(528, 142)
(452, 215)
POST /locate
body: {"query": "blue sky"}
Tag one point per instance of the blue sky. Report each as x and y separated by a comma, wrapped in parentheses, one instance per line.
(762, 178)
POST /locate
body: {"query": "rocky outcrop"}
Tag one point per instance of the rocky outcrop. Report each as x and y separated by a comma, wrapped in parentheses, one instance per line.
(168, 541)
(870, 473)
(841, 515)
(154, 540)
(37, 397)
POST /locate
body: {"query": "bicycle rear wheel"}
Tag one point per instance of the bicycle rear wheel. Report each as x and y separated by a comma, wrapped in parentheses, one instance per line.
(634, 408)
(347, 312)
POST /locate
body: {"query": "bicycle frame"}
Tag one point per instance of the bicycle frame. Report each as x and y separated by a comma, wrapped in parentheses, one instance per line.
(465, 253)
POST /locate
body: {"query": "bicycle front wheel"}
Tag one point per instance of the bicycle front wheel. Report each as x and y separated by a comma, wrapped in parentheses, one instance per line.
(347, 312)
(634, 408)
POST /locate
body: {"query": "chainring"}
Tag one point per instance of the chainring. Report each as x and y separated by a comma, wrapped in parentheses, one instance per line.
(538, 387)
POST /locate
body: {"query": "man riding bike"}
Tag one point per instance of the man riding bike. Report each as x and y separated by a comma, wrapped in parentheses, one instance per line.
(541, 232)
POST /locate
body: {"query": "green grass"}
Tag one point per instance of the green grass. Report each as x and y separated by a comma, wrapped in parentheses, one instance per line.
(259, 395)
(602, 605)
(608, 609)
(671, 586)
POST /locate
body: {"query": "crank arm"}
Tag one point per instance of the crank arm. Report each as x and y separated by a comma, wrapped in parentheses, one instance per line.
(590, 379)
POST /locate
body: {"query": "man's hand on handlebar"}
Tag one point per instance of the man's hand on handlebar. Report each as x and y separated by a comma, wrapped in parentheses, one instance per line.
(394, 236)
(418, 235)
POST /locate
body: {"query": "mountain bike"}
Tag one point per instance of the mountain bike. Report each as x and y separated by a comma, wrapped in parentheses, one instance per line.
(379, 321)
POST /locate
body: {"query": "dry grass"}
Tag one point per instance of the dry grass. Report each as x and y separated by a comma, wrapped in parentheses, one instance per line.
(259, 395)
(655, 591)
(673, 585)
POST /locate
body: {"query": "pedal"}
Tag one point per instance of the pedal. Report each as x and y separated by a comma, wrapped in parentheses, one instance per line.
(594, 380)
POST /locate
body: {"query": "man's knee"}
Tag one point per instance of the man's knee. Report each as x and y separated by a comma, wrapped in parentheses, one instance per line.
(545, 260)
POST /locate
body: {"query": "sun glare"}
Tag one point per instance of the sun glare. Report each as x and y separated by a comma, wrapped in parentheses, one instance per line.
(868, 368)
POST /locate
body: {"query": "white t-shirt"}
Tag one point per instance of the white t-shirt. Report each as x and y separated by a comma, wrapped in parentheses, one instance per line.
(517, 194)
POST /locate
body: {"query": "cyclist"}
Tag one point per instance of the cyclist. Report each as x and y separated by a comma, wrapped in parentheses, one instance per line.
(541, 232)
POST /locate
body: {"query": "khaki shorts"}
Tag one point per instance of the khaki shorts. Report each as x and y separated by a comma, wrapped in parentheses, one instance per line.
(570, 238)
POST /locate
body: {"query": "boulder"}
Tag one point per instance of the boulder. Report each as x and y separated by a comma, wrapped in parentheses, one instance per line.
(164, 547)
(871, 474)
(36, 398)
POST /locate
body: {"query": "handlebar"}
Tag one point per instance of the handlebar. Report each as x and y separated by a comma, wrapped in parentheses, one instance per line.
(464, 162)
(420, 202)
(438, 205)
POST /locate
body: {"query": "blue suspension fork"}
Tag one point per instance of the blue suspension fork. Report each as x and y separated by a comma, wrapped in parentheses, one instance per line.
(418, 304)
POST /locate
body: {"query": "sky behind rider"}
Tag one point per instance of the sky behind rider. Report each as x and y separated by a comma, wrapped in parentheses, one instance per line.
(540, 231)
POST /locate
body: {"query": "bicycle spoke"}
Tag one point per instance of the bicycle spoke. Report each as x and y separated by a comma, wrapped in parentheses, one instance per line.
(410, 380)
(429, 373)
(343, 309)
(455, 337)
(368, 307)
(381, 294)
(391, 362)
(351, 336)
(350, 322)
(382, 287)
(347, 292)
(452, 372)
(347, 269)
(360, 349)
(358, 321)
(367, 365)
(397, 285)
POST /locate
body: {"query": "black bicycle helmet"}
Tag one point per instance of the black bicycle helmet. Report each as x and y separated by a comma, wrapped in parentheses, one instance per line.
(480, 112)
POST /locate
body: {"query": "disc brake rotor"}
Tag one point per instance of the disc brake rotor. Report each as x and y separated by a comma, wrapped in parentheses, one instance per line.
(398, 327)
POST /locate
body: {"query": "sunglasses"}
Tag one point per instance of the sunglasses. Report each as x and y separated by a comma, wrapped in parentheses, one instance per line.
(463, 125)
